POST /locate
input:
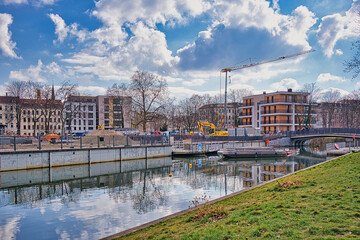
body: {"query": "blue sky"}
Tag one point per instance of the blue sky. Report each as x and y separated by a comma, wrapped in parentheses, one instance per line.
(98, 43)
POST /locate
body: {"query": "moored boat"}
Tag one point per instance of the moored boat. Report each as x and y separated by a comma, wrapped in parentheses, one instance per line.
(251, 152)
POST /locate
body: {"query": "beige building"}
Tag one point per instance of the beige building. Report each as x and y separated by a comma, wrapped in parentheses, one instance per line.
(274, 112)
(114, 112)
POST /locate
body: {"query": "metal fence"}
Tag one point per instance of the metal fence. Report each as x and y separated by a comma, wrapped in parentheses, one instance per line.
(314, 131)
(16, 143)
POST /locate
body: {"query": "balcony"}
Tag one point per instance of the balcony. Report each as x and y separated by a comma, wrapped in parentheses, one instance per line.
(276, 122)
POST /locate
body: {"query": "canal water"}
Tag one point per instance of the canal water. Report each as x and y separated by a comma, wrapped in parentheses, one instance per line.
(90, 202)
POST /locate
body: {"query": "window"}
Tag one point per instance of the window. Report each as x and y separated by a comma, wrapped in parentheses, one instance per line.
(106, 108)
(42, 120)
(24, 119)
(106, 123)
(6, 116)
(91, 122)
(0, 107)
(275, 109)
(24, 112)
(29, 127)
(29, 119)
(11, 108)
(25, 127)
(0, 116)
(106, 100)
(6, 107)
(91, 108)
(272, 98)
(285, 98)
(90, 115)
(29, 112)
(116, 101)
(275, 119)
(106, 116)
(74, 121)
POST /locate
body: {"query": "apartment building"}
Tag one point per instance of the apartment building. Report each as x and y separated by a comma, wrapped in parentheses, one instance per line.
(7, 114)
(214, 113)
(80, 114)
(114, 112)
(274, 112)
(40, 116)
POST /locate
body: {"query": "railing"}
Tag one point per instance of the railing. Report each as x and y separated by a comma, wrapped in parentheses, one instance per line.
(315, 131)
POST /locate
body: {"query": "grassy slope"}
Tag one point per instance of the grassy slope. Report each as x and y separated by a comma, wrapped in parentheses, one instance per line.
(325, 206)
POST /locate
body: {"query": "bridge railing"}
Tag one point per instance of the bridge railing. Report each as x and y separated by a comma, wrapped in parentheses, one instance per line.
(314, 131)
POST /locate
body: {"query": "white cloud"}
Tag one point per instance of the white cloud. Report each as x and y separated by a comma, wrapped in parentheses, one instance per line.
(336, 27)
(36, 3)
(6, 45)
(271, 34)
(335, 91)
(339, 52)
(92, 90)
(8, 2)
(36, 73)
(285, 84)
(111, 12)
(61, 30)
(326, 77)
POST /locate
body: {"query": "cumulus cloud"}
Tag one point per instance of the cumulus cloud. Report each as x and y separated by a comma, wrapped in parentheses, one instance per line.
(335, 92)
(92, 90)
(285, 84)
(337, 26)
(62, 30)
(248, 29)
(37, 3)
(60, 27)
(111, 12)
(326, 77)
(36, 73)
(6, 45)
(8, 2)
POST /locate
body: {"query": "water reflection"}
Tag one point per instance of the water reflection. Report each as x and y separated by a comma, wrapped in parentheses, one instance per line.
(102, 199)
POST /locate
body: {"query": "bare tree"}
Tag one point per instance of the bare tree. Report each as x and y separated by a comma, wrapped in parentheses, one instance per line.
(149, 95)
(236, 98)
(67, 109)
(353, 65)
(18, 90)
(328, 107)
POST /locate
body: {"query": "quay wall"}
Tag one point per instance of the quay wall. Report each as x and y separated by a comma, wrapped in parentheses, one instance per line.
(46, 175)
(23, 160)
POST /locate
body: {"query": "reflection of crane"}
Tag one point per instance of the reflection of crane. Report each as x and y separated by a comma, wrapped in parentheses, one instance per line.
(229, 69)
(213, 130)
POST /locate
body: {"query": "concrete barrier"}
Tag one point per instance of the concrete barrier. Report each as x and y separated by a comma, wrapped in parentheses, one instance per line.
(10, 161)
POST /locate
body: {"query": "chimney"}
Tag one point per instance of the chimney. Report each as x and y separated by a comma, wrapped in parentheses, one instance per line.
(264, 92)
(38, 94)
(6, 94)
(289, 89)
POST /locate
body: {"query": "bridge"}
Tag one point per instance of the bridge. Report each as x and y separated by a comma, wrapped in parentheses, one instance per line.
(299, 137)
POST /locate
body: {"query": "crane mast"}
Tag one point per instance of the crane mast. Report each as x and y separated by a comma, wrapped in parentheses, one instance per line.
(234, 68)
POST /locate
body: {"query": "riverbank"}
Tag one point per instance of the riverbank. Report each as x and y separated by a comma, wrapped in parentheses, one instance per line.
(321, 202)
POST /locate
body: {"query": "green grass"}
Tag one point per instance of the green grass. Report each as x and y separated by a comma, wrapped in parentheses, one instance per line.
(319, 203)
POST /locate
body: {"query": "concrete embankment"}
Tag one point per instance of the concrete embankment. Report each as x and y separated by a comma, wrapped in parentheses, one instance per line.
(10, 161)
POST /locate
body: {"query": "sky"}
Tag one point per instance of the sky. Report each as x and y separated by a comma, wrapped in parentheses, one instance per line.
(98, 43)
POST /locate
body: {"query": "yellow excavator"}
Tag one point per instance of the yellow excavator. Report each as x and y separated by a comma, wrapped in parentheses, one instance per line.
(213, 131)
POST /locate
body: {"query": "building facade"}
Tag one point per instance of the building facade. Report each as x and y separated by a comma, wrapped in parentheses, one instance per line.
(80, 114)
(214, 113)
(114, 112)
(277, 111)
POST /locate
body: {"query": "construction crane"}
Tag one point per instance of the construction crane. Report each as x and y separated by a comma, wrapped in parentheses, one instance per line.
(230, 69)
